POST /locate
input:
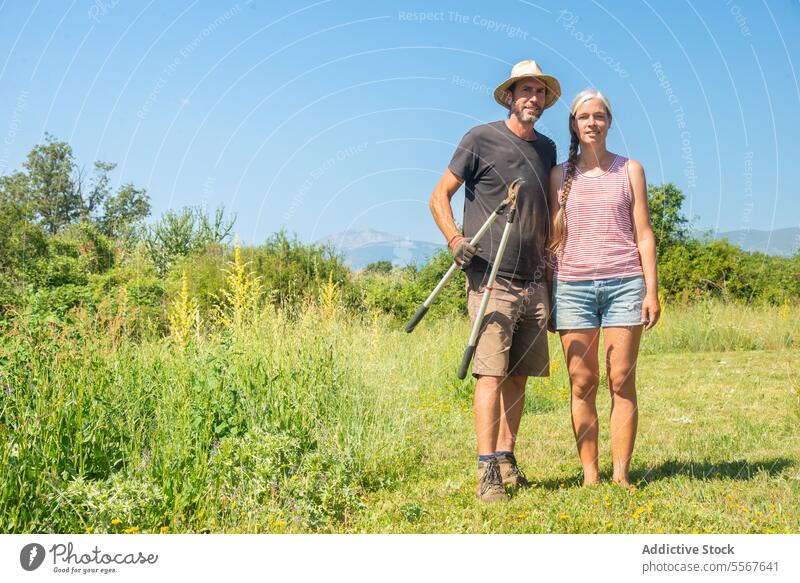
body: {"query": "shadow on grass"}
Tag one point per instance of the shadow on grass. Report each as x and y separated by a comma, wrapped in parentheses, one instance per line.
(697, 470)
(706, 470)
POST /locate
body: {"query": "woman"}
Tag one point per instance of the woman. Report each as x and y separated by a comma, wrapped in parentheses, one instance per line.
(605, 277)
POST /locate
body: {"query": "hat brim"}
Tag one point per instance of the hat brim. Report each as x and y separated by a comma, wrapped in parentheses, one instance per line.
(552, 84)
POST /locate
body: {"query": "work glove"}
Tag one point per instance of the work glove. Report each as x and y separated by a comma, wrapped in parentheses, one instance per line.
(463, 251)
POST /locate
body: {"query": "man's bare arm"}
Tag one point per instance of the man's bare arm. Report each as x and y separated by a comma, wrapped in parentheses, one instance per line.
(440, 204)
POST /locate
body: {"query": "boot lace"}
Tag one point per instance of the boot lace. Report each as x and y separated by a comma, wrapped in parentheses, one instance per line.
(491, 477)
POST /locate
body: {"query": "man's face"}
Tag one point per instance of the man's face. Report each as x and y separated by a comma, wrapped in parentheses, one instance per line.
(527, 99)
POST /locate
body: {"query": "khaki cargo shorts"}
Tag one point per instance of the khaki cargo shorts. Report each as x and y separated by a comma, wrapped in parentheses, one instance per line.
(513, 339)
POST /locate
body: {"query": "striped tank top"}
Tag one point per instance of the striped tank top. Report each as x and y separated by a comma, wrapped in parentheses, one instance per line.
(600, 241)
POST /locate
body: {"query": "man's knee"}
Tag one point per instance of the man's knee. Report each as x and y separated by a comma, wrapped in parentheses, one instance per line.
(518, 382)
(488, 383)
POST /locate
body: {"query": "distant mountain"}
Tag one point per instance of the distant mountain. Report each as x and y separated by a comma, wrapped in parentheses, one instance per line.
(360, 248)
(778, 242)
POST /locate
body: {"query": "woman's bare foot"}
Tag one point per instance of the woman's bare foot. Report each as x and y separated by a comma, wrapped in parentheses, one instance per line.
(591, 478)
(625, 484)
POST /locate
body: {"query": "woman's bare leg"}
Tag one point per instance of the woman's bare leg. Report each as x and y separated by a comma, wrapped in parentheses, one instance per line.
(622, 351)
(580, 349)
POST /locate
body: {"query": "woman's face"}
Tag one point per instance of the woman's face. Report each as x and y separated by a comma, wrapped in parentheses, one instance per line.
(591, 122)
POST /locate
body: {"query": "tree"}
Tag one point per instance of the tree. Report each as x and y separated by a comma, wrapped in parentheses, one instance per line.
(22, 242)
(99, 188)
(669, 225)
(382, 266)
(180, 233)
(122, 211)
(51, 187)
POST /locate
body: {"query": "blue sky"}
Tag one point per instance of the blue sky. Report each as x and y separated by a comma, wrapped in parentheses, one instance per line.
(320, 117)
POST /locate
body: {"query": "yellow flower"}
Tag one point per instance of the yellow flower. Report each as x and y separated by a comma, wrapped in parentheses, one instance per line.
(280, 523)
(89, 529)
(132, 530)
(164, 529)
(116, 521)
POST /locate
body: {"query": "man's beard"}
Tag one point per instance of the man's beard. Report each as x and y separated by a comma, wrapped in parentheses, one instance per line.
(526, 116)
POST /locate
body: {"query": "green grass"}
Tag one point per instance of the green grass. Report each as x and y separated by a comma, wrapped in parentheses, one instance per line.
(326, 422)
(714, 454)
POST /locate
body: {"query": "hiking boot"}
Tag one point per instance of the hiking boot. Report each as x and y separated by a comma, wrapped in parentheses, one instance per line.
(510, 472)
(490, 484)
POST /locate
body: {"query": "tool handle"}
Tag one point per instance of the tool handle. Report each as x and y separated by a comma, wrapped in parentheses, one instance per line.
(423, 309)
(462, 370)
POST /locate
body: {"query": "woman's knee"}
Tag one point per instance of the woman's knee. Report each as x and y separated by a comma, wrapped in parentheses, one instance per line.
(584, 384)
(622, 382)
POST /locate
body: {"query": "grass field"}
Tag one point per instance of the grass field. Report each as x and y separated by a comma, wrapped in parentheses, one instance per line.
(327, 422)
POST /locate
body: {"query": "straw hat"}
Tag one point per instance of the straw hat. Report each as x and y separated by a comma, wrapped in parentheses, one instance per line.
(525, 69)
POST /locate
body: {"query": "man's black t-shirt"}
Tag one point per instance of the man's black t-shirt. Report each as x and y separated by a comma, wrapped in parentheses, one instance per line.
(488, 159)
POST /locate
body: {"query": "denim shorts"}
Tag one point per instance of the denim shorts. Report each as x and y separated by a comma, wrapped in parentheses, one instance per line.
(598, 303)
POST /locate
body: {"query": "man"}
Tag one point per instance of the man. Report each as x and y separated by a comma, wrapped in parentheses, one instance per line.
(513, 341)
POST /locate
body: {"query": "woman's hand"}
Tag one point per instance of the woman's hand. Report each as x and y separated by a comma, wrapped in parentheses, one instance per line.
(651, 311)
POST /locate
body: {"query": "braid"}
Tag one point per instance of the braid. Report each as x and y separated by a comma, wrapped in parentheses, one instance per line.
(560, 227)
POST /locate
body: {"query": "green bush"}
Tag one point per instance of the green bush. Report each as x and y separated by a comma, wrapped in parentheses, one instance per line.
(401, 292)
(294, 272)
(717, 269)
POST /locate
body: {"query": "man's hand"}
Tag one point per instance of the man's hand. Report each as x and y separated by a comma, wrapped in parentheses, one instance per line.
(463, 251)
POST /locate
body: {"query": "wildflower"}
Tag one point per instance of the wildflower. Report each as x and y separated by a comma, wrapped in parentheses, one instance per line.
(330, 296)
(242, 294)
(116, 521)
(89, 529)
(164, 529)
(183, 315)
(132, 530)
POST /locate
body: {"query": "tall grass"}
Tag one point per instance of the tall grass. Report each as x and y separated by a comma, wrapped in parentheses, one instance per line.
(715, 326)
(261, 423)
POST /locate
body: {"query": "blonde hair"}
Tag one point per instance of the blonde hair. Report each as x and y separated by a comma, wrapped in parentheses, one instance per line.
(559, 234)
